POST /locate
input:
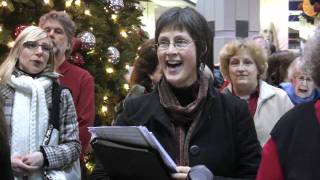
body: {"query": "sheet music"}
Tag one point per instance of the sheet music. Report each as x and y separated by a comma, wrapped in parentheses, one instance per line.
(155, 144)
(138, 135)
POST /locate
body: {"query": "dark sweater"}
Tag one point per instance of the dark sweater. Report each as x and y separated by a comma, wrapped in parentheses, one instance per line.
(297, 137)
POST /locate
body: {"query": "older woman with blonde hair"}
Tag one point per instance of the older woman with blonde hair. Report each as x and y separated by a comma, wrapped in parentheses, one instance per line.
(243, 63)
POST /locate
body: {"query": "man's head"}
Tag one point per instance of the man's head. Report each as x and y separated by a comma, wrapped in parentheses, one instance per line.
(259, 39)
(60, 28)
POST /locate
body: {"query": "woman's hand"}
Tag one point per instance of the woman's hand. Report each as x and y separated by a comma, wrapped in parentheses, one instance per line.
(182, 173)
(19, 167)
(34, 159)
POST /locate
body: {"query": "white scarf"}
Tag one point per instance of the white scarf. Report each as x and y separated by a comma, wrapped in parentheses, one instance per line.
(29, 115)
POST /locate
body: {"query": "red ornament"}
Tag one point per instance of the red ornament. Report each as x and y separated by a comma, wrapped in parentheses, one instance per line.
(76, 44)
(143, 34)
(77, 59)
(18, 30)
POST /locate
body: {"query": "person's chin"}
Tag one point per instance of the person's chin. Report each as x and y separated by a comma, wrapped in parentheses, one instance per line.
(175, 81)
(303, 95)
(241, 82)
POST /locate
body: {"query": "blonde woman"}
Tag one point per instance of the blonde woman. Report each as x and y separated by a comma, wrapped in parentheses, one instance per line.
(243, 63)
(26, 86)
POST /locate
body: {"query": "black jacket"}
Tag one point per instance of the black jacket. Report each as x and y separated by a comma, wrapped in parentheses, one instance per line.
(224, 140)
(5, 162)
(297, 137)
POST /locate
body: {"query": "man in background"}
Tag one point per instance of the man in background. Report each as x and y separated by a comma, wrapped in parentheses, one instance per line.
(61, 30)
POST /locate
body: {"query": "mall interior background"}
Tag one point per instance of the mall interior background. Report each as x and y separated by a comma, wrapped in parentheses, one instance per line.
(230, 19)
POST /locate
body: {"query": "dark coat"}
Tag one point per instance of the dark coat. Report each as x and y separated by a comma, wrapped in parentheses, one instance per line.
(297, 136)
(224, 140)
(5, 162)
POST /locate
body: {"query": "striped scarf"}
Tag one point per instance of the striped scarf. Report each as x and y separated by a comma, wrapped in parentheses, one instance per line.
(182, 117)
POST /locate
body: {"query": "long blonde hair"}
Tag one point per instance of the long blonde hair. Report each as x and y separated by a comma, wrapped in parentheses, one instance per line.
(31, 33)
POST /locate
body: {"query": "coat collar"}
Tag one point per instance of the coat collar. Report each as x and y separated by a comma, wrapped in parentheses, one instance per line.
(266, 91)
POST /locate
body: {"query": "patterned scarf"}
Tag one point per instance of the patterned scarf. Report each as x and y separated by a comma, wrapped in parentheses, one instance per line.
(29, 115)
(184, 119)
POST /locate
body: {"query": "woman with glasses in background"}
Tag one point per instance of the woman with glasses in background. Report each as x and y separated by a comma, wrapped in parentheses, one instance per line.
(26, 80)
(292, 152)
(243, 63)
(208, 134)
(301, 88)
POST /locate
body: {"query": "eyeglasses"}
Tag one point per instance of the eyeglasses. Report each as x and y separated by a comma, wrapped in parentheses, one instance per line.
(301, 79)
(34, 45)
(179, 44)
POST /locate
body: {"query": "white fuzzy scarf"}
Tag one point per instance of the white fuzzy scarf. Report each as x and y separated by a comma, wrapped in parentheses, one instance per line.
(29, 115)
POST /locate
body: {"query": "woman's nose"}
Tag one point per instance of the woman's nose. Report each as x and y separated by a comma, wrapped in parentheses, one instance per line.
(171, 49)
(39, 50)
(241, 67)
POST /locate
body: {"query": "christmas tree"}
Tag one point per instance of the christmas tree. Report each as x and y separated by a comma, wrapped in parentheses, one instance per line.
(108, 36)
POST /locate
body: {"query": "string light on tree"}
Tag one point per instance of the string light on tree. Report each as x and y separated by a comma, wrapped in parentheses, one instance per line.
(46, 1)
(114, 17)
(87, 12)
(10, 44)
(126, 86)
(1, 27)
(68, 3)
(4, 4)
(89, 166)
(77, 2)
(109, 70)
(123, 33)
(106, 9)
(104, 109)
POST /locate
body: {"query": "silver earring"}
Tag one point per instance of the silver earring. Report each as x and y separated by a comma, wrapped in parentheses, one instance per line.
(202, 66)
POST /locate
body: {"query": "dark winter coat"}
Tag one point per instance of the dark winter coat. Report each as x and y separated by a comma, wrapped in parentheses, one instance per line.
(224, 140)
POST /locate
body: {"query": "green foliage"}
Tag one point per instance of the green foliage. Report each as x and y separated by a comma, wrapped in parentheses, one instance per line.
(105, 29)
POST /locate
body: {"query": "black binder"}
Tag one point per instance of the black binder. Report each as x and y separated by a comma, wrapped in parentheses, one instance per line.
(129, 161)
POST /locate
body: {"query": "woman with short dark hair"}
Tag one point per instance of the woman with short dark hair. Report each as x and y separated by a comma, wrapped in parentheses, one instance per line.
(206, 133)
